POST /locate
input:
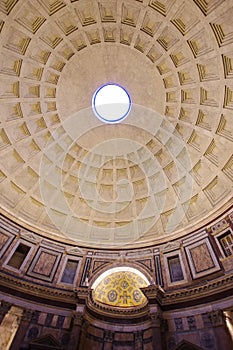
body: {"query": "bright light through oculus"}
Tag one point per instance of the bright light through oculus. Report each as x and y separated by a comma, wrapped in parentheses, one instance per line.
(111, 103)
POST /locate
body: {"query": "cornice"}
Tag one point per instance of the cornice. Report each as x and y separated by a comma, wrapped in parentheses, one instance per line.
(215, 289)
(116, 312)
(30, 291)
(211, 290)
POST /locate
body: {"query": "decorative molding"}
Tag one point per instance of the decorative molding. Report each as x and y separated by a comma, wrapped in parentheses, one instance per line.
(44, 264)
(154, 293)
(201, 258)
(116, 312)
(170, 246)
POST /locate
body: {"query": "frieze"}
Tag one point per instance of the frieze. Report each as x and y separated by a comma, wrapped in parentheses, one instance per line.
(107, 255)
(212, 287)
(50, 244)
(139, 253)
(153, 293)
(149, 291)
(38, 290)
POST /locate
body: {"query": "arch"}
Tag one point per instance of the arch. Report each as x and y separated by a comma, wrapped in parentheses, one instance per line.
(120, 286)
(110, 268)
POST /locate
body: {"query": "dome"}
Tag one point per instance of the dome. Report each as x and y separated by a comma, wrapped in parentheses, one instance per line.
(163, 171)
(116, 222)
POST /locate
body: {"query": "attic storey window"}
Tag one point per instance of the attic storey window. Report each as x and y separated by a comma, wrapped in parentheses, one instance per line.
(226, 242)
(19, 256)
(69, 272)
(176, 273)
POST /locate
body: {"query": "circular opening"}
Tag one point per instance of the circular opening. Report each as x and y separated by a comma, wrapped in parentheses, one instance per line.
(111, 103)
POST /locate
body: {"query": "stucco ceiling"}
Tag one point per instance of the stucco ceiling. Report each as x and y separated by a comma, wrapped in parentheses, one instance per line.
(164, 171)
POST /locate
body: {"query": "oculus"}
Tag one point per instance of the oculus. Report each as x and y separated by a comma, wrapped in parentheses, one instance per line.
(111, 103)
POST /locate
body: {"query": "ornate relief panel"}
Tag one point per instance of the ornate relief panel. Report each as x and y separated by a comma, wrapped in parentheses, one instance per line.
(44, 264)
(201, 258)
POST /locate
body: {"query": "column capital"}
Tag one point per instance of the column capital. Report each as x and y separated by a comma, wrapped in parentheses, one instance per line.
(4, 307)
(9, 326)
(77, 318)
(155, 318)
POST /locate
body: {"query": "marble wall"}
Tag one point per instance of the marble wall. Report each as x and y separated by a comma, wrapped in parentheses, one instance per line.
(172, 265)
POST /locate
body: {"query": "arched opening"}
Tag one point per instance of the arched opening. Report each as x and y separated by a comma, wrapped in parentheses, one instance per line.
(120, 287)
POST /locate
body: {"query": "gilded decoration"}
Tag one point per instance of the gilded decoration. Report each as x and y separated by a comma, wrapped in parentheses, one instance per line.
(121, 289)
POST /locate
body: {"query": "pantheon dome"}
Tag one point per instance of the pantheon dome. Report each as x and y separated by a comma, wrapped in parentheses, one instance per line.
(116, 229)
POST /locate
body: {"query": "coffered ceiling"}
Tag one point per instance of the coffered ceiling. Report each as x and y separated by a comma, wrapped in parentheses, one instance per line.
(165, 170)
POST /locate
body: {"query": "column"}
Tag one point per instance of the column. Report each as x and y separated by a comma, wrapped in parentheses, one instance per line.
(108, 340)
(138, 341)
(22, 329)
(229, 322)
(154, 295)
(156, 331)
(222, 335)
(4, 308)
(77, 322)
(164, 329)
(9, 327)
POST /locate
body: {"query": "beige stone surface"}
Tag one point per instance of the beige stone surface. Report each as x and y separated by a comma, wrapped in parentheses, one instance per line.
(164, 171)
